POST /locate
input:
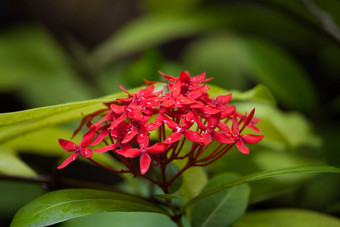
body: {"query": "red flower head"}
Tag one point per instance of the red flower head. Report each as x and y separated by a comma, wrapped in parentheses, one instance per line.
(181, 112)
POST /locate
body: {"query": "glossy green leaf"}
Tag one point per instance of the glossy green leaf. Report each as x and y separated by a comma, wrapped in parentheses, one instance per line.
(275, 68)
(21, 122)
(65, 204)
(263, 175)
(121, 219)
(287, 217)
(259, 93)
(292, 126)
(160, 28)
(11, 164)
(223, 208)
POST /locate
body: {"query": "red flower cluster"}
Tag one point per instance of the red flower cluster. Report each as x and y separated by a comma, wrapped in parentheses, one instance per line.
(182, 111)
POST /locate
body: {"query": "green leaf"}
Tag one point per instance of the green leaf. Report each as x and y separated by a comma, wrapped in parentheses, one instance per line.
(121, 219)
(65, 204)
(263, 175)
(287, 217)
(229, 59)
(275, 68)
(223, 208)
(11, 164)
(34, 65)
(259, 93)
(18, 123)
(292, 126)
(135, 37)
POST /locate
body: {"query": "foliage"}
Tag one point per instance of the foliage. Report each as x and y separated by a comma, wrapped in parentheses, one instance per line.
(277, 56)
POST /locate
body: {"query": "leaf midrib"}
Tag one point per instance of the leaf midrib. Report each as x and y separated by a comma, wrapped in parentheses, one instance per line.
(218, 207)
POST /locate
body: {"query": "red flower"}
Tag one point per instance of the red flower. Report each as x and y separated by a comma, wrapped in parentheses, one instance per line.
(174, 99)
(176, 135)
(209, 130)
(186, 80)
(143, 151)
(81, 149)
(186, 111)
(242, 139)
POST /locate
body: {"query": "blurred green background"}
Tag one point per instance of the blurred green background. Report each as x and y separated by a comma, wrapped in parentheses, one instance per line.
(53, 52)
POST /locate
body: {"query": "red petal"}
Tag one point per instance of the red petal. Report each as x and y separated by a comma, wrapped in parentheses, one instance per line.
(143, 137)
(221, 137)
(196, 105)
(254, 128)
(206, 138)
(86, 152)
(146, 92)
(224, 127)
(224, 99)
(170, 123)
(88, 137)
(197, 93)
(176, 88)
(117, 109)
(173, 137)
(213, 121)
(190, 116)
(118, 121)
(199, 79)
(168, 103)
(249, 139)
(234, 126)
(149, 82)
(199, 121)
(226, 112)
(110, 147)
(130, 134)
(144, 163)
(121, 87)
(150, 103)
(129, 152)
(68, 160)
(67, 145)
(184, 100)
(100, 137)
(135, 114)
(192, 135)
(209, 110)
(157, 148)
(249, 117)
(242, 147)
(184, 76)
(168, 77)
(186, 124)
(106, 118)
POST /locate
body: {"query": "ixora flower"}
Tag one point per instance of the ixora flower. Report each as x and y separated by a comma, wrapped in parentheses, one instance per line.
(153, 126)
